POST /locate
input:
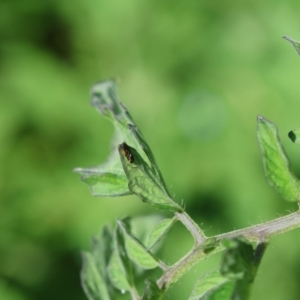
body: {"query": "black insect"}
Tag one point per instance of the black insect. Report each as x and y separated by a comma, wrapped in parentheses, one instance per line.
(126, 151)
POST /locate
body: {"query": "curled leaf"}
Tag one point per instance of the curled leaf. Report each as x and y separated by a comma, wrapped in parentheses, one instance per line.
(109, 179)
(142, 181)
(275, 162)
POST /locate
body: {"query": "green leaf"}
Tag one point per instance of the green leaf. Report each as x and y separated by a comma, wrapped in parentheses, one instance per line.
(93, 274)
(275, 161)
(157, 177)
(142, 181)
(136, 250)
(295, 44)
(159, 231)
(212, 286)
(294, 135)
(236, 275)
(239, 265)
(116, 273)
(142, 226)
(94, 285)
(124, 259)
(109, 178)
(151, 291)
(106, 184)
(237, 260)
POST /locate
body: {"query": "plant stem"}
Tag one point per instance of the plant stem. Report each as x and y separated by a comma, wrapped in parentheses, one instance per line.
(265, 231)
(192, 227)
(257, 233)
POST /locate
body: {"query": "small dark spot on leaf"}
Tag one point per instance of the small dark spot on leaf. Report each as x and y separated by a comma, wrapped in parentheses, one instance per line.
(126, 151)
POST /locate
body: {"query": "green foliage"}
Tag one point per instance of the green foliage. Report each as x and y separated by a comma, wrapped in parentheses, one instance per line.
(159, 231)
(143, 183)
(275, 161)
(234, 278)
(163, 56)
(93, 275)
(116, 273)
(109, 178)
(128, 255)
(136, 250)
(152, 291)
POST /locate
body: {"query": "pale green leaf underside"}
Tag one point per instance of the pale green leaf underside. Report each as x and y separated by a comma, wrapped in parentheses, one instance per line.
(116, 273)
(139, 255)
(159, 231)
(94, 285)
(93, 274)
(125, 262)
(275, 161)
(136, 251)
(212, 286)
(142, 226)
(107, 184)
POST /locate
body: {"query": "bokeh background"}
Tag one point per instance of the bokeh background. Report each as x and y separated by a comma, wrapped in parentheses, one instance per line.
(194, 74)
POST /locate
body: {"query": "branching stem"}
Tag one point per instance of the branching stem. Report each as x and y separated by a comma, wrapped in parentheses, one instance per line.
(257, 233)
(192, 227)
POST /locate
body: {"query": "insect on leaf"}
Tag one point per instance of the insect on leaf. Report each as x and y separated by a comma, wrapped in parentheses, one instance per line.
(142, 182)
(109, 179)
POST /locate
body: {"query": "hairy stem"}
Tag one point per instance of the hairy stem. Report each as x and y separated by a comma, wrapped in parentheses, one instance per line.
(257, 233)
(265, 231)
(192, 227)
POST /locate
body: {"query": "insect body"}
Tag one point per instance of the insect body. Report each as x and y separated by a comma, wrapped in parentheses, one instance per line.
(126, 151)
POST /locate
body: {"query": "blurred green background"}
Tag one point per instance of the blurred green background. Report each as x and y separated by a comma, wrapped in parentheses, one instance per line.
(194, 74)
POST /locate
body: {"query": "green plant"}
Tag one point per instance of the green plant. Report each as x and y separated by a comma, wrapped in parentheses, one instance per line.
(118, 255)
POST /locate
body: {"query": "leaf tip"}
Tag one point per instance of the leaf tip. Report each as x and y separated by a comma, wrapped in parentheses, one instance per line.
(78, 170)
(262, 119)
(287, 38)
(295, 43)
